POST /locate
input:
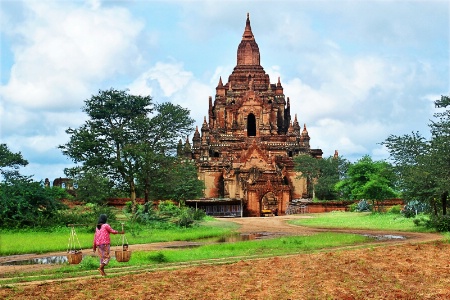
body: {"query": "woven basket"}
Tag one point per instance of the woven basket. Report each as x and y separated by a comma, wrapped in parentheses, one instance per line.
(75, 258)
(123, 256)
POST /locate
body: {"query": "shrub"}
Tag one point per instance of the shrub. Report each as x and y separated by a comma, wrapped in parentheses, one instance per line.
(420, 221)
(353, 207)
(440, 223)
(158, 257)
(412, 208)
(87, 214)
(26, 203)
(396, 209)
(363, 205)
(168, 215)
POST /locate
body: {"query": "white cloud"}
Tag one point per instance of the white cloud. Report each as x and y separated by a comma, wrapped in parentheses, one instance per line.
(61, 50)
(355, 72)
(171, 82)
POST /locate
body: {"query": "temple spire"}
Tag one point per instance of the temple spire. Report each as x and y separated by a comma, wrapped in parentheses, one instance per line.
(248, 50)
(248, 34)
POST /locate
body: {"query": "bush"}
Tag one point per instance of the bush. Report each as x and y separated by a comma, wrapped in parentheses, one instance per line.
(363, 205)
(412, 208)
(440, 223)
(26, 203)
(352, 207)
(167, 215)
(396, 209)
(87, 214)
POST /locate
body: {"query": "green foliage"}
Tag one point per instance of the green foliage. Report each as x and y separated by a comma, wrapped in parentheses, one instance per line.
(321, 174)
(93, 187)
(360, 220)
(50, 239)
(87, 215)
(368, 179)
(158, 257)
(412, 208)
(352, 207)
(396, 209)
(25, 203)
(168, 215)
(89, 263)
(439, 222)
(423, 165)
(182, 216)
(10, 162)
(125, 138)
(177, 180)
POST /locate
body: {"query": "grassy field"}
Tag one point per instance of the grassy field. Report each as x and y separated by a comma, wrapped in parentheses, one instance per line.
(57, 239)
(362, 220)
(222, 252)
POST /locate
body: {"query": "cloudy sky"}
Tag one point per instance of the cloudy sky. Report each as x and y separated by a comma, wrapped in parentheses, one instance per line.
(355, 71)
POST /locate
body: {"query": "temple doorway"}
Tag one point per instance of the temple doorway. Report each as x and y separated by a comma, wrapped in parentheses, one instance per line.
(269, 204)
(251, 125)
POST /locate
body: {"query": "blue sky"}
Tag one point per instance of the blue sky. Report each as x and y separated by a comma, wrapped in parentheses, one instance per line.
(355, 71)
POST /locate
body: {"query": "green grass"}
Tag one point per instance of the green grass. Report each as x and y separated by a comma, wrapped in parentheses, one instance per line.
(278, 246)
(355, 220)
(35, 241)
(147, 260)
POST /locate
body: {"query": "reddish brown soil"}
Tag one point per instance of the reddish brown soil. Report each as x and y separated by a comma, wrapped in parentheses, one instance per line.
(414, 268)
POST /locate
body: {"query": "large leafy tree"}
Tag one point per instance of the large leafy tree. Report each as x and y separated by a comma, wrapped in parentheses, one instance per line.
(122, 133)
(423, 165)
(159, 148)
(368, 179)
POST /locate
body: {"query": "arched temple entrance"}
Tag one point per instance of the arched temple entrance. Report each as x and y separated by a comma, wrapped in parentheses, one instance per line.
(269, 202)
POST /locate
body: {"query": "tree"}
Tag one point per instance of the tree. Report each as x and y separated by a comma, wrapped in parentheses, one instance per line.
(121, 135)
(309, 168)
(92, 187)
(368, 179)
(107, 140)
(321, 174)
(423, 165)
(181, 182)
(10, 162)
(159, 146)
(414, 165)
(332, 170)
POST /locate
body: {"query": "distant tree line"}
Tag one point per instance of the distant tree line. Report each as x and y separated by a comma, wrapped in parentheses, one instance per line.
(418, 171)
(126, 147)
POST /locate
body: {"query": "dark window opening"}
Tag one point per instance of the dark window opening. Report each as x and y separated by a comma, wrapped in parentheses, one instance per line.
(251, 125)
(216, 154)
(290, 154)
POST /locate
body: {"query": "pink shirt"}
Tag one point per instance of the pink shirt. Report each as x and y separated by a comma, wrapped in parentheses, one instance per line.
(102, 234)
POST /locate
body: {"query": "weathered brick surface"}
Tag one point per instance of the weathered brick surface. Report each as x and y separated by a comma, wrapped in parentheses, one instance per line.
(245, 147)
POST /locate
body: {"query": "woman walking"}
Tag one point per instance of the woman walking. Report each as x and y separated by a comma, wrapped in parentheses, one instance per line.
(102, 241)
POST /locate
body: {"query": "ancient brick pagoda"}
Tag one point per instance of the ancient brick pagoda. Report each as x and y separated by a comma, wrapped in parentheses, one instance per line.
(245, 148)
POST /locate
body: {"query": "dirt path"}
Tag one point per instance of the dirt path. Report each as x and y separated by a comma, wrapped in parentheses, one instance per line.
(271, 226)
(402, 269)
